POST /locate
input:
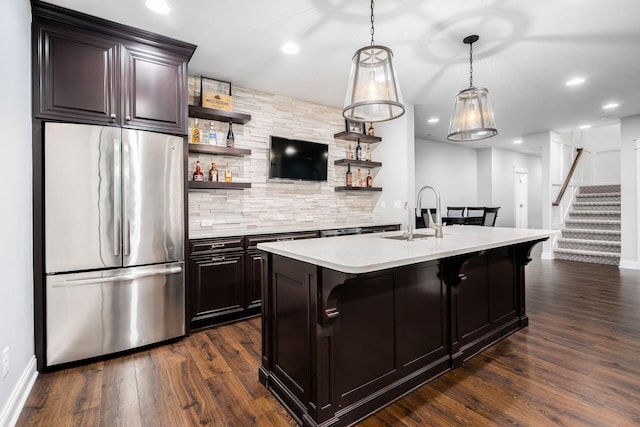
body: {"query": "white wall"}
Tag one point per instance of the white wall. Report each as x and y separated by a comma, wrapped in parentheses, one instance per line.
(397, 175)
(16, 283)
(451, 169)
(484, 177)
(630, 191)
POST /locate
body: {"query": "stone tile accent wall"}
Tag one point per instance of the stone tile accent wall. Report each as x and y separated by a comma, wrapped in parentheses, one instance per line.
(268, 204)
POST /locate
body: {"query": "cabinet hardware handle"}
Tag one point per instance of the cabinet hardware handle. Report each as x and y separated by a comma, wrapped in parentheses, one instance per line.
(113, 116)
(284, 239)
(217, 258)
(217, 245)
(128, 118)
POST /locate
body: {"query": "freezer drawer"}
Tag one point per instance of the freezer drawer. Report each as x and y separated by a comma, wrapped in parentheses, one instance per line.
(96, 313)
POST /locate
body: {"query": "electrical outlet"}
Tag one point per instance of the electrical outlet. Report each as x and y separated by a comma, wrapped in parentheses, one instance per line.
(397, 204)
(206, 223)
(308, 218)
(5, 362)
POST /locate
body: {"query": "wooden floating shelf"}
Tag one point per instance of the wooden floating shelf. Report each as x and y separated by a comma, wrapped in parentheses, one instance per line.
(366, 164)
(353, 136)
(209, 185)
(218, 115)
(214, 149)
(358, 188)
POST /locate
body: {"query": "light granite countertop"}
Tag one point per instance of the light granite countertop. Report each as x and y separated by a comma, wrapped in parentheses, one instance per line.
(372, 252)
(252, 231)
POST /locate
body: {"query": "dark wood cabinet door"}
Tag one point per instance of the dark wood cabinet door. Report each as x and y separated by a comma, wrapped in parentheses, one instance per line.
(154, 89)
(253, 280)
(217, 283)
(75, 75)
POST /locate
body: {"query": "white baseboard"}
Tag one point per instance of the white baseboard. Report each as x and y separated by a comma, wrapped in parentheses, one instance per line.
(547, 255)
(632, 265)
(10, 413)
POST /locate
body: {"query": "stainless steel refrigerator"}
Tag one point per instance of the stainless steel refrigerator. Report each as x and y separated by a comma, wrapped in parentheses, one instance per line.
(114, 239)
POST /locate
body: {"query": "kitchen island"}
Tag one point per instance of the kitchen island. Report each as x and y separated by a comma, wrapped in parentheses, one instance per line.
(352, 323)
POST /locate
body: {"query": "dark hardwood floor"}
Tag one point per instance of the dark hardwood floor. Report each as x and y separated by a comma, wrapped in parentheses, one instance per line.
(577, 364)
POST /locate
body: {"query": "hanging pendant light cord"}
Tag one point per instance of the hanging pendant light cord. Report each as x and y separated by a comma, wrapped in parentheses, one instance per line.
(470, 64)
(372, 30)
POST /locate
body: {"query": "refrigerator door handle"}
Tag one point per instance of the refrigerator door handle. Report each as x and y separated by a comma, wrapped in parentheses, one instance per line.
(117, 194)
(127, 277)
(127, 238)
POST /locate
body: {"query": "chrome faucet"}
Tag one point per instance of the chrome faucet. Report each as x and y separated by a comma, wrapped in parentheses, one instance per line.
(437, 226)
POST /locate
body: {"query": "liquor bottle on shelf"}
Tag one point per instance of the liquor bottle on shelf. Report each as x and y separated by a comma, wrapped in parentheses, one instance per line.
(358, 151)
(349, 177)
(367, 155)
(359, 177)
(213, 173)
(195, 132)
(230, 138)
(349, 152)
(198, 175)
(213, 138)
(369, 179)
(228, 176)
(371, 131)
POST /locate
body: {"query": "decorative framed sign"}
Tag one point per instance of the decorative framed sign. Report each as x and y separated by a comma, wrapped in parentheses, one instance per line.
(215, 94)
(354, 127)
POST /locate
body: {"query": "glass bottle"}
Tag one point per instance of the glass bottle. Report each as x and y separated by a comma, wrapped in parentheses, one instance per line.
(349, 152)
(228, 177)
(358, 151)
(349, 177)
(230, 138)
(371, 131)
(212, 134)
(213, 173)
(367, 156)
(198, 175)
(359, 177)
(369, 179)
(195, 132)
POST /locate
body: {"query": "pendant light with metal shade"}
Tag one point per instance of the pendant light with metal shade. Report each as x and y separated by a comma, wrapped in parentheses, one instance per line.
(373, 93)
(472, 117)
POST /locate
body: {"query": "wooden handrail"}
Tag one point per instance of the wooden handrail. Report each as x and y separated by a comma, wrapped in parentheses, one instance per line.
(569, 175)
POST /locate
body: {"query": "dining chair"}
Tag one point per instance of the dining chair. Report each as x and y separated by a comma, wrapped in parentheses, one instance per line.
(455, 212)
(489, 217)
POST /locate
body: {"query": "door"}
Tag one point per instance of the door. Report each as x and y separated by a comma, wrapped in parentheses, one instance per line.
(77, 75)
(82, 197)
(94, 313)
(520, 186)
(153, 202)
(154, 89)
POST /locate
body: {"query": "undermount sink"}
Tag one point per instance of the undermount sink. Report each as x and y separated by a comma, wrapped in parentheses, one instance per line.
(408, 237)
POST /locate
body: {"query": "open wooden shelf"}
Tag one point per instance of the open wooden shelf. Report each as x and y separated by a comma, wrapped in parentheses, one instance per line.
(210, 185)
(364, 163)
(218, 115)
(353, 136)
(345, 188)
(214, 149)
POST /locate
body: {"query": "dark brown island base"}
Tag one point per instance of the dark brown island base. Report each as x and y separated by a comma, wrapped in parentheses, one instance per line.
(353, 323)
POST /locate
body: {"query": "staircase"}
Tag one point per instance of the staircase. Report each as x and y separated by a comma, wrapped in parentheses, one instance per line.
(592, 229)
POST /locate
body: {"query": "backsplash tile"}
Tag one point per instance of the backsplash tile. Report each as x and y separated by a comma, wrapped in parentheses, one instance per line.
(275, 204)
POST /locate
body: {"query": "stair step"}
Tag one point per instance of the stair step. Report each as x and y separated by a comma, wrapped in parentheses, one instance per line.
(608, 188)
(587, 196)
(596, 206)
(593, 224)
(589, 245)
(595, 215)
(580, 233)
(587, 256)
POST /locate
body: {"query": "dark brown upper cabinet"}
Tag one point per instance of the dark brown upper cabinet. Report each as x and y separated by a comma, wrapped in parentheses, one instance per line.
(89, 70)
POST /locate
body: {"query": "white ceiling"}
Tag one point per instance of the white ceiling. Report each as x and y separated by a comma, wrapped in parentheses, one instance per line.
(526, 52)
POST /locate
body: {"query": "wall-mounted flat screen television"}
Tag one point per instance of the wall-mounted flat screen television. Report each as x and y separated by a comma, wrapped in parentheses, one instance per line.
(297, 160)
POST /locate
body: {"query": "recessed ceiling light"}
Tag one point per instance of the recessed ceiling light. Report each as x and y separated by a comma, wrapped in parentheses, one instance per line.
(517, 141)
(158, 6)
(610, 105)
(585, 126)
(575, 81)
(290, 48)
(433, 120)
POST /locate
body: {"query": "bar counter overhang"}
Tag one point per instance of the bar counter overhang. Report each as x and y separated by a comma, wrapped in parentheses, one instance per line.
(352, 323)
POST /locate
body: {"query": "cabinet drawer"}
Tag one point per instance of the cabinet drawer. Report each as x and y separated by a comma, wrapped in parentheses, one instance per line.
(252, 241)
(210, 246)
(379, 229)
